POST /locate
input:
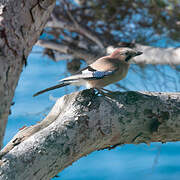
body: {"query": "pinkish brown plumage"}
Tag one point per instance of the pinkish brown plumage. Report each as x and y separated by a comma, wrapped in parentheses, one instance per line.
(104, 71)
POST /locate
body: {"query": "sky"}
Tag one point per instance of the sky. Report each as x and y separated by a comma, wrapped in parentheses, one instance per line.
(156, 161)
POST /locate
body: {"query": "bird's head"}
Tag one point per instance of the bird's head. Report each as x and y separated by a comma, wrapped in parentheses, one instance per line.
(125, 54)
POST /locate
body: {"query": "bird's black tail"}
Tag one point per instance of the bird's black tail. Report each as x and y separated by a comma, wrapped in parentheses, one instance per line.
(51, 88)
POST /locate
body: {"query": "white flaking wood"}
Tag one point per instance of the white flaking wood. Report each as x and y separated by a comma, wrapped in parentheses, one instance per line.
(83, 122)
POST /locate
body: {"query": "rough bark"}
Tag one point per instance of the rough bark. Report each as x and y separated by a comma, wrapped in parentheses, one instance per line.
(83, 122)
(21, 23)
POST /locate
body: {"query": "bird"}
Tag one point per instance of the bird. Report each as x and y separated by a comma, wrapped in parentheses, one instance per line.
(104, 71)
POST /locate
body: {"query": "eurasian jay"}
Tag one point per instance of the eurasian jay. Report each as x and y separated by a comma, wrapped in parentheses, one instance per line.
(104, 71)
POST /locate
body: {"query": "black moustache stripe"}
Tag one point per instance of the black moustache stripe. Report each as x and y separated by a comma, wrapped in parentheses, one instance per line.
(128, 58)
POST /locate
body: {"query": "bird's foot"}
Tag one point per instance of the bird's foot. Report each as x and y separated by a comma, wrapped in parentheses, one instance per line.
(107, 90)
(101, 92)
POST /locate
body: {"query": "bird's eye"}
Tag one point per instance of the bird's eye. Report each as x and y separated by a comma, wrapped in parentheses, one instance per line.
(127, 53)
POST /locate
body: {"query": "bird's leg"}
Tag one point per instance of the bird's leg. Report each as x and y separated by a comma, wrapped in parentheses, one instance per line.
(107, 90)
(100, 91)
(107, 97)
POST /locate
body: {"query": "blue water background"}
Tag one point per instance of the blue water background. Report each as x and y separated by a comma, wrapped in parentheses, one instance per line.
(156, 161)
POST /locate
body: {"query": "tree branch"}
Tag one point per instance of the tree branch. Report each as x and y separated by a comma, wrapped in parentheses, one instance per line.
(70, 18)
(71, 50)
(155, 55)
(151, 55)
(74, 26)
(83, 122)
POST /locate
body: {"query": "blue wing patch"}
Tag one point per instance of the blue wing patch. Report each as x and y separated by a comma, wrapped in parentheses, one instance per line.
(101, 74)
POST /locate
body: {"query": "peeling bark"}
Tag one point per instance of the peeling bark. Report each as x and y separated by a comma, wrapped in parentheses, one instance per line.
(83, 122)
(21, 23)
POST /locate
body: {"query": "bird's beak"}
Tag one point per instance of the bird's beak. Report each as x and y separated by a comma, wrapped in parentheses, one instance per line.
(138, 53)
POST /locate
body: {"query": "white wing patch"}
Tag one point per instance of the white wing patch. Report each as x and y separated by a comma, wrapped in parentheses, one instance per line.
(87, 75)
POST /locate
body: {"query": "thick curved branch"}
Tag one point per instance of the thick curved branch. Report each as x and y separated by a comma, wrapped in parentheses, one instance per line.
(83, 122)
